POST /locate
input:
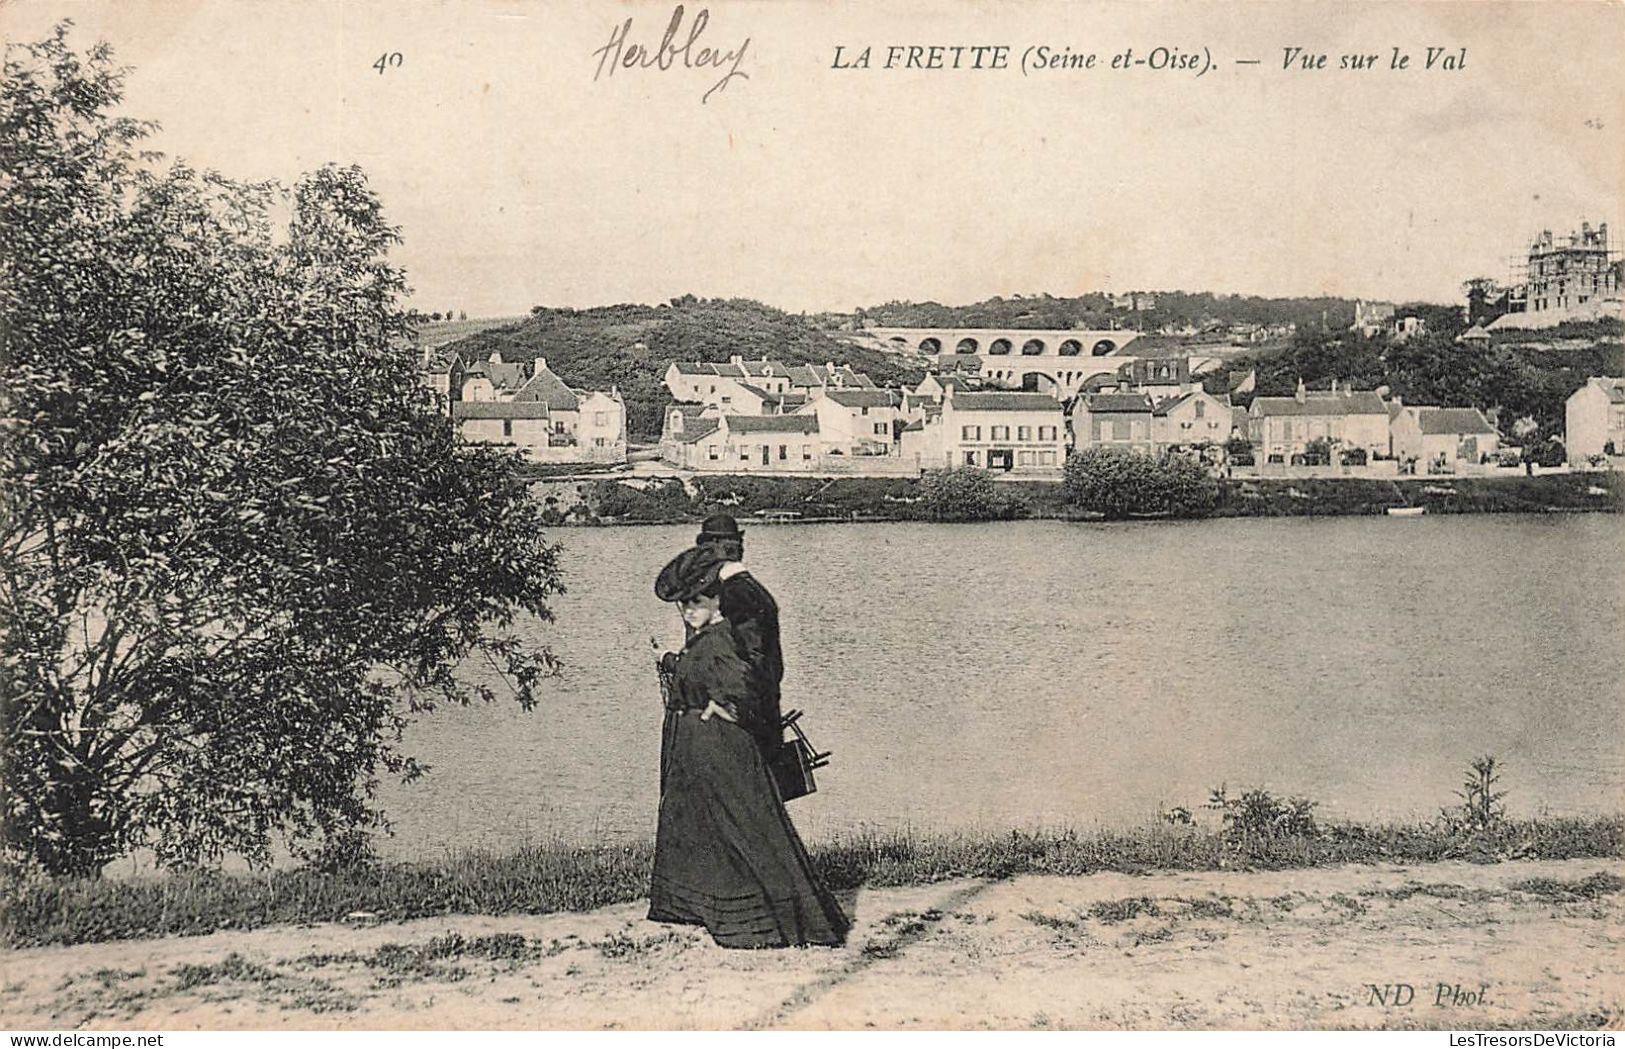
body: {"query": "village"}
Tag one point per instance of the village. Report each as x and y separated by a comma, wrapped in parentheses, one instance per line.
(1017, 401)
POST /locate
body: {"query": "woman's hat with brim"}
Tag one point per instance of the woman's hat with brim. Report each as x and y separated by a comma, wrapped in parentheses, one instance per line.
(688, 575)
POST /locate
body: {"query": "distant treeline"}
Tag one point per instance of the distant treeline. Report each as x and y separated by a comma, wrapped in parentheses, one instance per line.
(630, 346)
(1095, 310)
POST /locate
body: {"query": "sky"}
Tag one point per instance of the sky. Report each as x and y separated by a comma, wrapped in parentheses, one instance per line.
(526, 167)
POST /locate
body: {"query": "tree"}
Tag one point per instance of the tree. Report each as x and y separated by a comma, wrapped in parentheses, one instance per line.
(241, 551)
(1120, 483)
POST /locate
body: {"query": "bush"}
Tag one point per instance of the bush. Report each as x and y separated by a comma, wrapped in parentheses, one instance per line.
(1120, 483)
(1355, 457)
(966, 493)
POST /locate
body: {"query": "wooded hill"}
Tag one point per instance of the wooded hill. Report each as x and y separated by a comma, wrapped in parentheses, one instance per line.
(630, 346)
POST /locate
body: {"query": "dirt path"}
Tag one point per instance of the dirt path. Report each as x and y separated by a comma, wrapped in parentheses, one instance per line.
(1528, 944)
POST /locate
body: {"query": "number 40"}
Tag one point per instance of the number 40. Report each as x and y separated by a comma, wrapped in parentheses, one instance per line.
(387, 60)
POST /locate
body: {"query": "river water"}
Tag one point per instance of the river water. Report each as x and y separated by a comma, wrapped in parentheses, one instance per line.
(1046, 674)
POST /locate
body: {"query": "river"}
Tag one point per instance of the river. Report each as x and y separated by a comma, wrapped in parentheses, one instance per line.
(1047, 674)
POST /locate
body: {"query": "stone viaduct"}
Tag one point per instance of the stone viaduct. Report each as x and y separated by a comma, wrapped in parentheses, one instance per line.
(1061, 361)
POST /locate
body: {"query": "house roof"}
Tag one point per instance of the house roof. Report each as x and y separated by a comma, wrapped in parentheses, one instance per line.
(1117, 402)
(800, 424)
(764, 368)
(549, 388)
(804, 375)
(1004, 401)
(1358, 402)
(756, 391)
(696, 428)
(1453, 420)
(917, 424)
(1612, 386)
(862, 398)
(499, 410)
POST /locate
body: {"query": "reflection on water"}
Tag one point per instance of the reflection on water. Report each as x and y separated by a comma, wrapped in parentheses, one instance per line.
(1042, 673)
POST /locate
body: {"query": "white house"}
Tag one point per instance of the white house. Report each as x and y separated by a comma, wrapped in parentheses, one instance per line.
(1116, 418)
(1006, 430)
(856, 421)
(1194, 418)
(1594, 419)
(1281, 427)
(1442, 437)
(533, 409)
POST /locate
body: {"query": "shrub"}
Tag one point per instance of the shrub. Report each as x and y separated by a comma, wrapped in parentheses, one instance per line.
(1260, 814)
(1120, 483)
(965, 493)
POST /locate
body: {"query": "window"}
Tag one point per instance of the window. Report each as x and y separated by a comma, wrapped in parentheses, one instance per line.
(1024, 433)
(1001, 433)
(712, 453)
(970, 433)
(1024, 458)
(806, 452)
(880, 429)
(1046, 433)
(597, 442)
(864, 410)
(970, 458)
(1046, 458)
(744, 454)
(507, 427)
(783, 452)
(1201, 410)
(600, 418)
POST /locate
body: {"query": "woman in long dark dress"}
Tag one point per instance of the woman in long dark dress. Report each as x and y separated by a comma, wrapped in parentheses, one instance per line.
(726, 854)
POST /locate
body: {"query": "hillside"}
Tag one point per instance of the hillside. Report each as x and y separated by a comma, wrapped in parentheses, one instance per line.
(630, 346)
(1520, 375)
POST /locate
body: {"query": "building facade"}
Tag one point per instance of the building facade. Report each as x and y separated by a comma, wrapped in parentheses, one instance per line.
(1594, 419)
(1282, 427)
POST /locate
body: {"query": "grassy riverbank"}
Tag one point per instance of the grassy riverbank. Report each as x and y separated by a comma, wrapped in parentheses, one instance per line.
(557, 876)
(609, 501)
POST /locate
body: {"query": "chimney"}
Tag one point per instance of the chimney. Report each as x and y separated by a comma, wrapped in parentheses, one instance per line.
(1301, 395)
(538, 366)
(1334, 385)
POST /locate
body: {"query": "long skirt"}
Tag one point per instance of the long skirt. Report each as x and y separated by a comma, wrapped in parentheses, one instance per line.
(726, 854)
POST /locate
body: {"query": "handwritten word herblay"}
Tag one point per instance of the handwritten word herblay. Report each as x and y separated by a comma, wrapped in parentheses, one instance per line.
(618, 53)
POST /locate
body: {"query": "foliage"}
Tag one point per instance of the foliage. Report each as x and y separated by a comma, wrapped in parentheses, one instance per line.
(1120, 483)
(965, 493)
(665, 501)
(241, 550)
(1524, 379)
(1258, 813)
(1481, 805)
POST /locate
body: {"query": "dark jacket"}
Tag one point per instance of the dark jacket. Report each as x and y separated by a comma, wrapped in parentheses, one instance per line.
(711, 669)
(754, 616)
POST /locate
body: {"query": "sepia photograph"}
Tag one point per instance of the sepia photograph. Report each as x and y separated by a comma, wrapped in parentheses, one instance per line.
(589, 515)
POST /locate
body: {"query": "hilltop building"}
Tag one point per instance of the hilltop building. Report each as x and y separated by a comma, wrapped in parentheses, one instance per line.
(1571, 278)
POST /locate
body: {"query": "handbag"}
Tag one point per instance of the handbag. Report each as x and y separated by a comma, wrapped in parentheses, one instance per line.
(793, 764)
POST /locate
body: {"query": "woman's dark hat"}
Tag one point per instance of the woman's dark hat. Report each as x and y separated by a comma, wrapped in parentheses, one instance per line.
(719, 526)
(688, 575)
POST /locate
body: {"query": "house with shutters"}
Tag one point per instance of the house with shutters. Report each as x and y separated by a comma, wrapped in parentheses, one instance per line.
(1440, 438)
(697, 437)
(856, 422)
(1003, 430)
(1282, 427)
(1194, 419)
(1113, 419)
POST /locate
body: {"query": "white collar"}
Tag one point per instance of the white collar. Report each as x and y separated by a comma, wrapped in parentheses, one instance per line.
(732, 568)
